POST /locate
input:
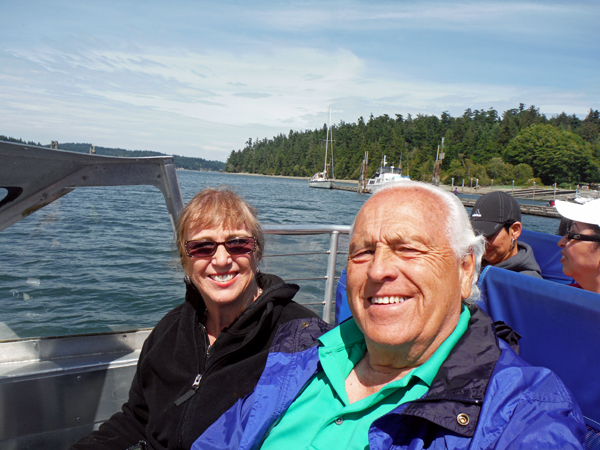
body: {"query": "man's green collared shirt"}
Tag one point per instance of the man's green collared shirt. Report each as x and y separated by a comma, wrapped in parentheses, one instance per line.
(322, 418)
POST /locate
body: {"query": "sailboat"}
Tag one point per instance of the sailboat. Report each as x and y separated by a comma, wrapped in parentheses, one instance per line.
(322, 179)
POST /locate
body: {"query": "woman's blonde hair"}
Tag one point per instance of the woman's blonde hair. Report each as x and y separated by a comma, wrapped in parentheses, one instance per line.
(211, 208)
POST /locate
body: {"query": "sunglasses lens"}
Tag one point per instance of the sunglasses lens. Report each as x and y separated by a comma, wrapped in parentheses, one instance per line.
(199, 249)
(203, 249)
(240, 246)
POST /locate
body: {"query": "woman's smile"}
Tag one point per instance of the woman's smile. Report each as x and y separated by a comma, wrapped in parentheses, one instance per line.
(223, 278)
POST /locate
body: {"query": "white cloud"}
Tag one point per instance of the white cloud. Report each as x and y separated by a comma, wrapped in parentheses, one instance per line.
(467, 16)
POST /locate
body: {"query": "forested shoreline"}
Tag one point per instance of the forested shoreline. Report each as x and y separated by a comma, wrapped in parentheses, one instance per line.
(522, 145)
(181, 162)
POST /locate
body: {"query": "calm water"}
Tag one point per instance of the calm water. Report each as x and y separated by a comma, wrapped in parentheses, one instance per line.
(102, 259)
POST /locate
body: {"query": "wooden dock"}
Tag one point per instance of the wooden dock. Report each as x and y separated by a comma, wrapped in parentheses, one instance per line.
(542, 194)
(340, 187)
(532, 210)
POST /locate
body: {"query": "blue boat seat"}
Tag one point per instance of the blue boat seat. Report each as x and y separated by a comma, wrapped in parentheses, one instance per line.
(342, 310)
(547, 254)
(560, 329)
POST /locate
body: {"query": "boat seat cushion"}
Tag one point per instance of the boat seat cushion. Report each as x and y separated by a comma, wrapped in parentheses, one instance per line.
(559, 329)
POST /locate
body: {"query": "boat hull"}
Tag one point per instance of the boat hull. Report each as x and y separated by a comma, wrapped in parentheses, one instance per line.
(321, 184)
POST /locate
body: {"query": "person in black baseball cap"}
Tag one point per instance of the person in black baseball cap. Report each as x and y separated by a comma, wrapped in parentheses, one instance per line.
(497, 216)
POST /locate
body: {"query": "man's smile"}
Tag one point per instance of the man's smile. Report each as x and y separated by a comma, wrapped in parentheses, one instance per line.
(387, 300)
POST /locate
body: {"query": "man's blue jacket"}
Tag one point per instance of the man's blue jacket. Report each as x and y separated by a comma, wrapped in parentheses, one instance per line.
(484, 396)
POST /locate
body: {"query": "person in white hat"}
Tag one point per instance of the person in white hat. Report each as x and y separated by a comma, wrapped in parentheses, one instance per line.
(581, 244)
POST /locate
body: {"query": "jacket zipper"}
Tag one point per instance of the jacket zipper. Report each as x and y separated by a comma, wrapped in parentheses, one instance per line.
(189, 394)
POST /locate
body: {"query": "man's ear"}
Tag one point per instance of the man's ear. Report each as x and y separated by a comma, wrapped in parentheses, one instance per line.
(515, 230)
(466, 271)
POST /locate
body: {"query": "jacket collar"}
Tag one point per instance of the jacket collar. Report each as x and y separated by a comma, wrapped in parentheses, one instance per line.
(456, 394)
(193, 297)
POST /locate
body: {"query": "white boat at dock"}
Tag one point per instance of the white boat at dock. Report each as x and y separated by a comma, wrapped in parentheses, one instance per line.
(386, 174)
(320, 180)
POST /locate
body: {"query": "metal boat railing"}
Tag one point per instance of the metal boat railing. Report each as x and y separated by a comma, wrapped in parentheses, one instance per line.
(330, 275)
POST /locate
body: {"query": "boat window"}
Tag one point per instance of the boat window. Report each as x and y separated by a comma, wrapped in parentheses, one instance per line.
(3, 193)
(98, 259)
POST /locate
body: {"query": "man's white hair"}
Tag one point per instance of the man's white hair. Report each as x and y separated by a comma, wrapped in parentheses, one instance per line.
(458, 227)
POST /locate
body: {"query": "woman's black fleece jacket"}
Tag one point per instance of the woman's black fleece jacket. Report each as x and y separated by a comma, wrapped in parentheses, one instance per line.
(166, 408)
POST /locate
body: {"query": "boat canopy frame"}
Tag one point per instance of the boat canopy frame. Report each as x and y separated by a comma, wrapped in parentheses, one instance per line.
(36, 176)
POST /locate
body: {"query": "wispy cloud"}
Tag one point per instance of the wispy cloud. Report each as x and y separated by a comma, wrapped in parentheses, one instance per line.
(251, 95)
(466, 16)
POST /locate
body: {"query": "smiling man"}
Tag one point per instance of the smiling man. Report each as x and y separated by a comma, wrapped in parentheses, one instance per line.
(419, 365)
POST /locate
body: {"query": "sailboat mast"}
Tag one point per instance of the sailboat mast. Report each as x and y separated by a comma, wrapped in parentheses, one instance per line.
(325, 162)
(330, 134)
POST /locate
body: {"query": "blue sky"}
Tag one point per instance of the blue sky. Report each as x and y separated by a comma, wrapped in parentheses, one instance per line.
(198, 78)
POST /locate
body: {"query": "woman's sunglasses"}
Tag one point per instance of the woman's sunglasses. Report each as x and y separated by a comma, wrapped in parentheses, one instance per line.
(235, 247)
(581, 237)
